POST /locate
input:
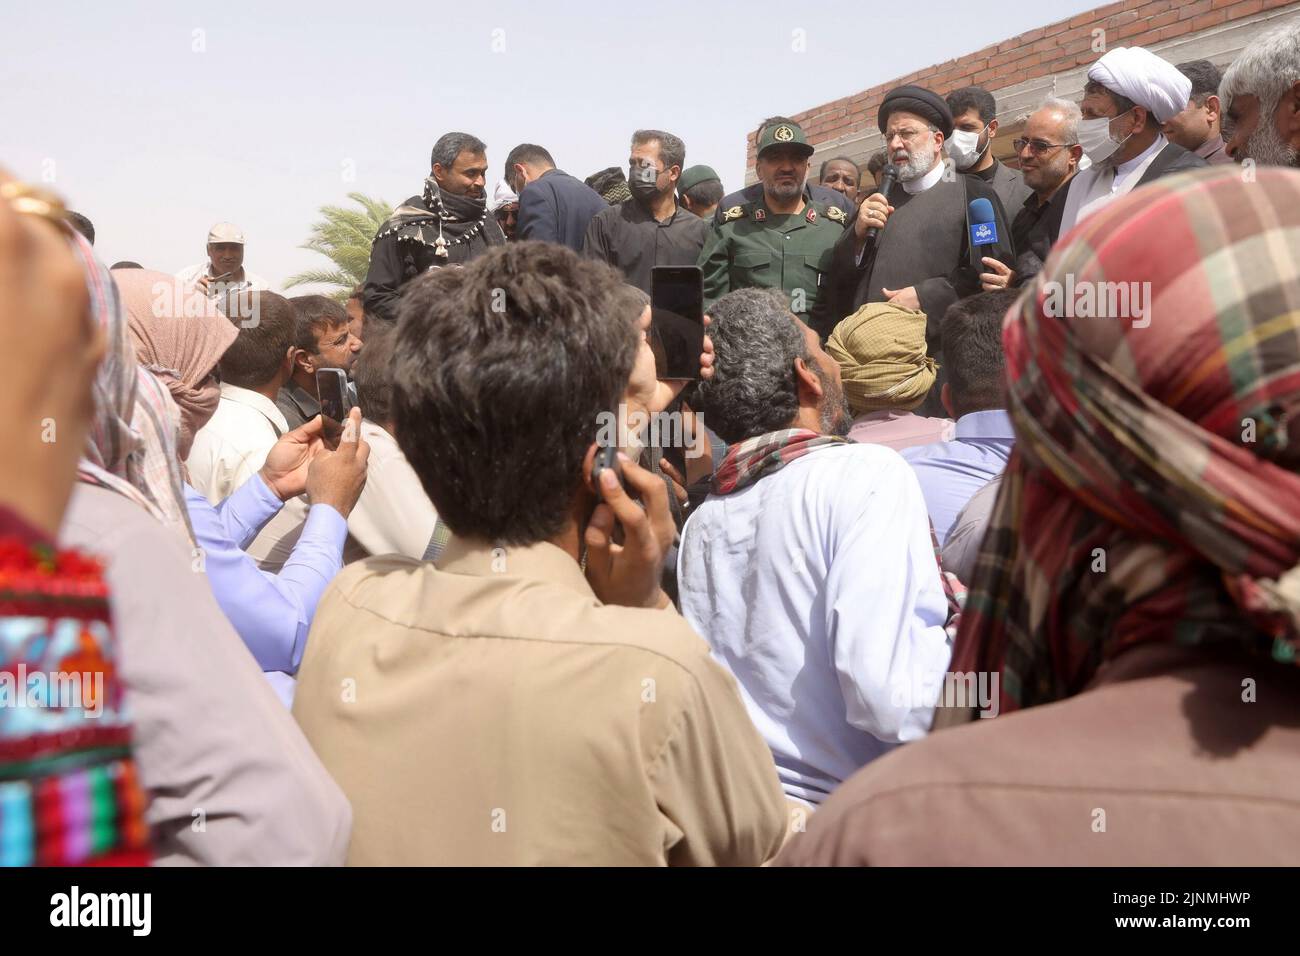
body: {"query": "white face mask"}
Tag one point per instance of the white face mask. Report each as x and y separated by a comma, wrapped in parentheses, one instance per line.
(963, 147)
(1094, 136)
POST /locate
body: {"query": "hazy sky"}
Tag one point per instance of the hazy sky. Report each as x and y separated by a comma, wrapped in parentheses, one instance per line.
(157, 119)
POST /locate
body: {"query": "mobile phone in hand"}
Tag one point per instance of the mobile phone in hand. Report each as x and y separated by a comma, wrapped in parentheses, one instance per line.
(332, 391)
(606, 457)
(677, 320)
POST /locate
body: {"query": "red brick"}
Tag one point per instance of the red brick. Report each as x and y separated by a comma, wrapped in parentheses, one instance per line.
(1206, 20)
(1117, 21)
(1107, 10)
(1270, 4)
(1181, 28)
(1055, 28)
(1083, 19)
(1189, 10)
(1244, 8)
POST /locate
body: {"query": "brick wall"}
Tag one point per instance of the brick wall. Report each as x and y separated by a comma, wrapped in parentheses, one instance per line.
(1046, 51)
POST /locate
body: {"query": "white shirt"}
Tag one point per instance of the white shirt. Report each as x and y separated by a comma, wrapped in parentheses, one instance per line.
(1095, 188)
(393, 514)
(233, 445)
(252, 281)
(817, 588)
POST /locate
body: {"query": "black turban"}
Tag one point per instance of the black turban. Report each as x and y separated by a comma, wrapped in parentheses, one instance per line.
(928, 105)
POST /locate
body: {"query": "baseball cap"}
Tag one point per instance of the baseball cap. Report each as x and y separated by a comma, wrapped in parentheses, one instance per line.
(694, 175)
(784, 134)
(225, 232)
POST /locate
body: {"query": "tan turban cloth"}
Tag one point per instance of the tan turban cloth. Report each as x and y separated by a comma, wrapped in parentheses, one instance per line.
(179, 335)
(1144, 78)
(883, 363)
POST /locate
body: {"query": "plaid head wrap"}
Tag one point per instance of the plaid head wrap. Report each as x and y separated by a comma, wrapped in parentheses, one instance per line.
(1152, 495)
(882, 357)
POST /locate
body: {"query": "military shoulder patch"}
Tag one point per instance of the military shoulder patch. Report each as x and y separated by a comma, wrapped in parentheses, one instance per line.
(835, 214)
(735, 212)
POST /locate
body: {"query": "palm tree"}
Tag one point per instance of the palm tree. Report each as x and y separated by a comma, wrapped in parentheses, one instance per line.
(344, 237)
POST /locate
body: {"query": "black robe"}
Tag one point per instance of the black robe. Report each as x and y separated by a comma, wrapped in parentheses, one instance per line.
(925, 244)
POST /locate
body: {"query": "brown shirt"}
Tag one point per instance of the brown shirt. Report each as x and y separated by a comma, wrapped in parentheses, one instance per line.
(489, 710)
(1162, 751)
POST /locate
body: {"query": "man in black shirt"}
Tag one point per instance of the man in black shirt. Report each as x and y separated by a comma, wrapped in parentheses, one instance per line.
(650, 229)
(1049, 156)
(974, 126)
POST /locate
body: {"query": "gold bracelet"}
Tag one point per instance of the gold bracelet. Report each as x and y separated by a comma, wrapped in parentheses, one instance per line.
(34, 201)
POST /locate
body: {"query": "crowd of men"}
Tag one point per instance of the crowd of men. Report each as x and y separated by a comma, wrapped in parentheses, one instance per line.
(915, 492)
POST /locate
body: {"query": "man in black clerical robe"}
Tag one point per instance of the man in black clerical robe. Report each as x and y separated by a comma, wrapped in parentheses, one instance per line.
(921, 257)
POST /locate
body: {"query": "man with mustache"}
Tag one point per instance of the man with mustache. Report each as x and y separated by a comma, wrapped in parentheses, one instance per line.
(782, 240)
(1262, 93)
(448, 224)
(1049, 154)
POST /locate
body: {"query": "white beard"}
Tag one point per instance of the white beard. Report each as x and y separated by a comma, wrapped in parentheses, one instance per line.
(912, 169)
(1267, 148)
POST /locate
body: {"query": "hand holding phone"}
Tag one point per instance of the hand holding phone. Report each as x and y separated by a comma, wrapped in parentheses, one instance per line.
(332, 392)
(629, 573)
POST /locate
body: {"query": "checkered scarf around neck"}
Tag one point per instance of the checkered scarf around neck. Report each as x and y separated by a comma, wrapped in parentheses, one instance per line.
(1151, 496)
(131, 443)
(457, 219)
(754, 458)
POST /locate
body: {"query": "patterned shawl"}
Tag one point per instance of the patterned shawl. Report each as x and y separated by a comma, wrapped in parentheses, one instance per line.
(1153, 495)
(131, 445)
(441, 219)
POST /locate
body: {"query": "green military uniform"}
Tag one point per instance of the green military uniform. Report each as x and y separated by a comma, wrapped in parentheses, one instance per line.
(753, 247)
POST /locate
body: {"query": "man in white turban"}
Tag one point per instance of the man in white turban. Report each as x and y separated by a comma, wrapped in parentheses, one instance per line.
(1129, 96)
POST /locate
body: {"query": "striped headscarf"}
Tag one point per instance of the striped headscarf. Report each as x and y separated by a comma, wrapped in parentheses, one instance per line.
(131, 445)
(882, 357)
(1154, 493)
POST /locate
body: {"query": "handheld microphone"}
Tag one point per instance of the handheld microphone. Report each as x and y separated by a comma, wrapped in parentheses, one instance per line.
(889, 176)
(983, 230)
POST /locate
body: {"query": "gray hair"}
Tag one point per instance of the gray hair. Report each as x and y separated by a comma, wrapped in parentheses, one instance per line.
(1266, 69)
(671, 149)
(451, 145)
(1071, 114)
(755, 342)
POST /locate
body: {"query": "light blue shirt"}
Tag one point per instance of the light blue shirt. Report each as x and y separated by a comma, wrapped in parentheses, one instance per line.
(951, 472)
(271, 612)
(817, 588)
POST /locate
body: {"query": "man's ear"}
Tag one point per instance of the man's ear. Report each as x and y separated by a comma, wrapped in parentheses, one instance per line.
(993, 129)
(302, 359)
(588, 460)
(437, 172)
(1214, 108)
(808, 382)
(1144, 118)
(945, 397)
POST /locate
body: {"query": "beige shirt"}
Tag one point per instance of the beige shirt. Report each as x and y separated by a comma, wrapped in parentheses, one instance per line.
(233, 445)
(230, 778)
(489, 710)
(1168, 759)
(393, 514)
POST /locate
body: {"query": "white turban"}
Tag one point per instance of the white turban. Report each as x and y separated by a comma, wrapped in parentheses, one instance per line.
(503, 195)
(1145, 79)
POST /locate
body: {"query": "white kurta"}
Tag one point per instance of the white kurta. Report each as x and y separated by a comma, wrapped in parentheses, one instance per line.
(817, 588)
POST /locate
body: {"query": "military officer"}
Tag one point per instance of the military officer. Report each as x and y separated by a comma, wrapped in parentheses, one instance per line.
(783, 240)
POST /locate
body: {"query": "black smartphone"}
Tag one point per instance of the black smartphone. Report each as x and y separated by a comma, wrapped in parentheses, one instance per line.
(606, 457)
(677, 320)
(332, 391)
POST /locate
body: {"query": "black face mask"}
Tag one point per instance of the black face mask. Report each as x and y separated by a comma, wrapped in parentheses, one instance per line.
(643, 181)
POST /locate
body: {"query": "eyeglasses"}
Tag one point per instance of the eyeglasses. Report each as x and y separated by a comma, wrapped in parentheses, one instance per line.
(1037, 146)
(906, 135)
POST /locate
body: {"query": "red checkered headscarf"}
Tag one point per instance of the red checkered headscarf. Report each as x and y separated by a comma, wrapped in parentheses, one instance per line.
(1154, 492)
